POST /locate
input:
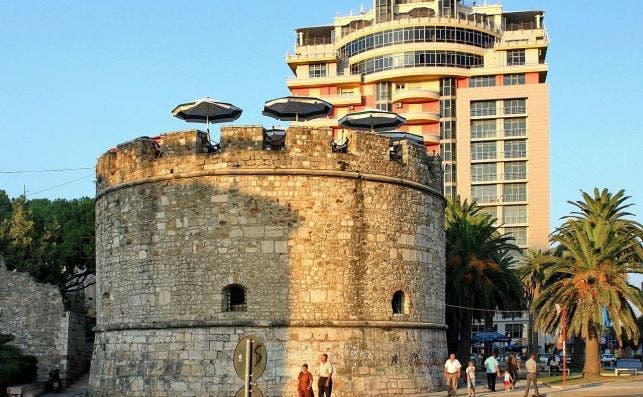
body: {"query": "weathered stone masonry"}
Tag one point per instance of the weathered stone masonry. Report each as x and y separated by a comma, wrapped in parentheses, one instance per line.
(320, 242)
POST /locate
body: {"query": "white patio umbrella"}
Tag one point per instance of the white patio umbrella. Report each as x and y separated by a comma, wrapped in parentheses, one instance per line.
(372, 120)
(207, 110)
(401, 135)
(296, 108)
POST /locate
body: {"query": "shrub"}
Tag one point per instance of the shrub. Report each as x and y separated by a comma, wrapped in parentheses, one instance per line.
(15, 367)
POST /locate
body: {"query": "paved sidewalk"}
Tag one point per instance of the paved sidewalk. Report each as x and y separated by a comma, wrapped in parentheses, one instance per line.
(631, 386)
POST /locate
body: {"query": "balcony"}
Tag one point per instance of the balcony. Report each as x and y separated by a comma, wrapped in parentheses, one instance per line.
(514, 198)
(514, 220)
(515, 176)
(515, 154)
(420, 117)
(498, 112)
(415, 95)
(343, 99)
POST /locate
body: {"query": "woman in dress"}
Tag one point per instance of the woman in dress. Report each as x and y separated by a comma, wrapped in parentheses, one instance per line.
(305, 382)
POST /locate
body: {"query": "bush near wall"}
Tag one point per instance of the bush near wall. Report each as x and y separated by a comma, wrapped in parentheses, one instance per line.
(15, 367)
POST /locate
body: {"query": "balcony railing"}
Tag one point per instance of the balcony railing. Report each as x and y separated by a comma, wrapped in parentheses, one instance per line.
(484, 156)
(515, 176)
(515, 154)
(511, 220)
(510, 111)
(512, 198)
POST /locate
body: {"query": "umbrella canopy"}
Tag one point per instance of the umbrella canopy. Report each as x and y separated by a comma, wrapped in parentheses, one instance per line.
(207, 110)
(489, 336)
(400, 135)
(296, 108)
(372, 120)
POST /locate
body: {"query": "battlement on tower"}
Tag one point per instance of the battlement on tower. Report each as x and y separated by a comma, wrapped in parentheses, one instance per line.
(243, 151)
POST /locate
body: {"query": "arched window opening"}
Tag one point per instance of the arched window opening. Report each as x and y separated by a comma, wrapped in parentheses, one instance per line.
(234, 298)
(107, 305)
(398, 302)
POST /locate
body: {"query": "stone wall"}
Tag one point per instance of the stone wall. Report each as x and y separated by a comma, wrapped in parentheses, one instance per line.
(34, 314)
(320, 241)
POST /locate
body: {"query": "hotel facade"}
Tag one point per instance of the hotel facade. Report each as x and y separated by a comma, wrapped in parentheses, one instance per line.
(470, 79)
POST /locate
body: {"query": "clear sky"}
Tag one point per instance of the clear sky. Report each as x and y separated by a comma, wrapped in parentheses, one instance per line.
(79, 77)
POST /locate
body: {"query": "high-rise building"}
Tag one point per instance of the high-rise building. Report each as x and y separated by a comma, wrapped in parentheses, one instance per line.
(469, 78)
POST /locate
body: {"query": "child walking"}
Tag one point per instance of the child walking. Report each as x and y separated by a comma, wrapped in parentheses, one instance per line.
(471, 379)
(508, 381)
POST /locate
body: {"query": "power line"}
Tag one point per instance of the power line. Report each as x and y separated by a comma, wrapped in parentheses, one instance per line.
(62, 184)
(483, 310)
(46, 170)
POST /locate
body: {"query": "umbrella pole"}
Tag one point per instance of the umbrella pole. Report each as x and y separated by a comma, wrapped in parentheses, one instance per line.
(207, 125)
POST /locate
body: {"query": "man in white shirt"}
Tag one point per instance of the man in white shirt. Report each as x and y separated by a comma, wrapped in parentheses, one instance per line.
(532, 374)
(325, 372)
(452, 373)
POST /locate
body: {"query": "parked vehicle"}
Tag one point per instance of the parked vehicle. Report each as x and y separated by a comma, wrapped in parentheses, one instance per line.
(608, 359)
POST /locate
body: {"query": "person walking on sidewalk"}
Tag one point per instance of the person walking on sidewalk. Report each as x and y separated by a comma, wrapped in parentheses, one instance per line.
(452, 373)
(491, 365)
(531, 366)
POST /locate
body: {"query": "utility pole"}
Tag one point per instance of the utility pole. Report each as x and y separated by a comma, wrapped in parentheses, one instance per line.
(564, 314)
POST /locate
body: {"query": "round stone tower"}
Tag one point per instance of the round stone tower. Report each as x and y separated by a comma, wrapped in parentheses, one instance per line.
(313, 251)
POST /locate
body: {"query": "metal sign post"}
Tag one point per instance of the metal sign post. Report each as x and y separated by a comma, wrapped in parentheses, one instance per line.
(250, 359)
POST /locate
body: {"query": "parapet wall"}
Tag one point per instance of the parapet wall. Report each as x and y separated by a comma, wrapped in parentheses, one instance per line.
(189, 153)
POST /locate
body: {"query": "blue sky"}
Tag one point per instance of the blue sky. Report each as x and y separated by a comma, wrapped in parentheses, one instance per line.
(79, 77)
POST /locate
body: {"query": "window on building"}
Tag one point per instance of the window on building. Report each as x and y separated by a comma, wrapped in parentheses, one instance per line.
(447, 87)
(483, 172)
(515, 106)
(450, 191)
(483, 108)
(513, 214)
(513, 192)
(515, 170)
(506, 315)
(108, 306)
(447, 129)
(398, 303)
(519, 234)
(447, 150)
(483, 129)
(513, 331)
(515, 57)
(447, 108)
(514, 79)
(482, 81)
(449, 173)
(515, 126)
(515, 149)
(234, 298)
(483, 150)
(317, 70)
(484, 193)
(481, 328)
(491, 211)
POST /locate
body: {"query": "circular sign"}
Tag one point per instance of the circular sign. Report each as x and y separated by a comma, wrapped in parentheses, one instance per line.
(256, 392)
(258, 357)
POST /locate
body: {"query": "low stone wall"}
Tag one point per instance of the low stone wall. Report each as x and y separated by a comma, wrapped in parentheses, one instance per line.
(199, 361)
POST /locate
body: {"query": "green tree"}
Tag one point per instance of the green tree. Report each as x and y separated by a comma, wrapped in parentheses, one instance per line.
(595, 249)
(53, 241)
(478, 273)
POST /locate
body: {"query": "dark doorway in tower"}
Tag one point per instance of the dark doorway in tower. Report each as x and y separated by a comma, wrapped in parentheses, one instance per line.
(234, 298)
(398, 302)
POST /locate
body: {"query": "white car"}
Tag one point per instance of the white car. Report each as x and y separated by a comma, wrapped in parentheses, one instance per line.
(608, 359)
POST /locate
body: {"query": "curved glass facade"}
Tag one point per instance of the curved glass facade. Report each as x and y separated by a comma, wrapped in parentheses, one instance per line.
(417, 34)
(414, 59)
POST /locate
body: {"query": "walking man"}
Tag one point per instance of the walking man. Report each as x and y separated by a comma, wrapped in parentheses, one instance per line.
(452, 373)
(491, 365)
(325, 372)
(532, 374)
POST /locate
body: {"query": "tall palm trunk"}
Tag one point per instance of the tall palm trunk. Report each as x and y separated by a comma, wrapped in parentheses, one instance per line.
(592, 363)
(464, 345)
(488, 326)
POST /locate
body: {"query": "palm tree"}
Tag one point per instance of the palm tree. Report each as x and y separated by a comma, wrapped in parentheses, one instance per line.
(596, 248)
(478, 275)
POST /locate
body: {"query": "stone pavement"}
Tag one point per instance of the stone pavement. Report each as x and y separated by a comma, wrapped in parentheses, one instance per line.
(77, 389)
(628, 386)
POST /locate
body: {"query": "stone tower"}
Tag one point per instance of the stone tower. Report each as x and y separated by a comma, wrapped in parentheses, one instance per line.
(312, 250)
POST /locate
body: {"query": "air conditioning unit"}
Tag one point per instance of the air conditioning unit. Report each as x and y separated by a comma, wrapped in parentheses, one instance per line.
(398, 105)
(351, 107)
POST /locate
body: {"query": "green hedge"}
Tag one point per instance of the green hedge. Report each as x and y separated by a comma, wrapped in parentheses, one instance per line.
(15, 367)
